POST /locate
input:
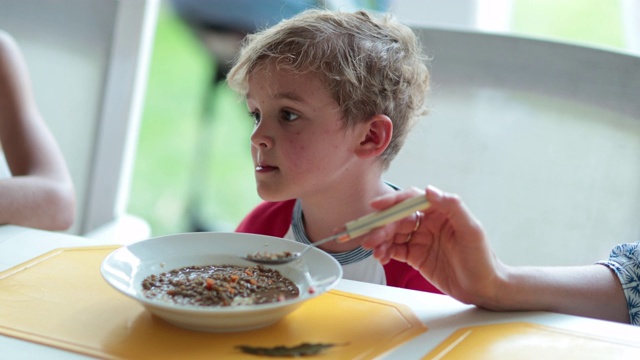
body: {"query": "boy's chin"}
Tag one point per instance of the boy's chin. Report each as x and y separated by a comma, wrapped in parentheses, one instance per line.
(272, 196)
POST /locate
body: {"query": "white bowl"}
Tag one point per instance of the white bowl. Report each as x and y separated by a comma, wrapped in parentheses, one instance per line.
(126, 268)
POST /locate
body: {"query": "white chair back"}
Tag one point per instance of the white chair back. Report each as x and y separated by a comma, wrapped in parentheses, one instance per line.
(541, 139)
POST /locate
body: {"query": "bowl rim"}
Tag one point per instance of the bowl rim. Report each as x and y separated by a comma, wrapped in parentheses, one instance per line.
(195, 309)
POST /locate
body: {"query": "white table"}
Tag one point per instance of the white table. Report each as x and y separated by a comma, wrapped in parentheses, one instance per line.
(441, 314)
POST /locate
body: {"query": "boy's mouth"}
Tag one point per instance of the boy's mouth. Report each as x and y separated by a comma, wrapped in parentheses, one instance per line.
(265, 168)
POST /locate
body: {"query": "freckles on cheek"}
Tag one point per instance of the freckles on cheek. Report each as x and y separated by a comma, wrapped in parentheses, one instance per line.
(296, 146)
(296, 155)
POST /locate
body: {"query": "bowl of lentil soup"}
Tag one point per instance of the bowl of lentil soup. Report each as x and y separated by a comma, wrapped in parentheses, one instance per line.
(199, 282)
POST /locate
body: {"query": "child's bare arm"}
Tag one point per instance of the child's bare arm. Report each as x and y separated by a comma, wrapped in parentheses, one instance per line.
(40, 192)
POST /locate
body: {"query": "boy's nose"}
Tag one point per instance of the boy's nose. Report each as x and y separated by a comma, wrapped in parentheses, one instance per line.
(259, 137)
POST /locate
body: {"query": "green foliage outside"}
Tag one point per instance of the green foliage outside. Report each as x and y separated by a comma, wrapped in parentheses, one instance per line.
(593, 22)
(169, 156)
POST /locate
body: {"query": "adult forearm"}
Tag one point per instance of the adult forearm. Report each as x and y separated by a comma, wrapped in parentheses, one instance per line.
(591, 291)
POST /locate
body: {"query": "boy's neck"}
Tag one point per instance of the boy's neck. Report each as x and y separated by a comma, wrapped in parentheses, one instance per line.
(325, 214)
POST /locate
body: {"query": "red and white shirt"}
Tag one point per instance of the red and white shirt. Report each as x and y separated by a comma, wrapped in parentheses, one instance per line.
(284, 219)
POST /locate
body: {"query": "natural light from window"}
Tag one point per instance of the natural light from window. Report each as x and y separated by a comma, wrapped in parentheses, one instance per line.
(613, 24)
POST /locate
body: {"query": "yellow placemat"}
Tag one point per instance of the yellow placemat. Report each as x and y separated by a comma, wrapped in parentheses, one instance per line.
(524, 341)
(60, 299)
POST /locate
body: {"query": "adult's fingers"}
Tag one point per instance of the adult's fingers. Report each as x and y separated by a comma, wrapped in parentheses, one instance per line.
(385, 201)
(452, 207)
(399, 231)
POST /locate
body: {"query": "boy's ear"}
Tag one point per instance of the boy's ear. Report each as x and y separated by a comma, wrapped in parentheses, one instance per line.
(376, 136)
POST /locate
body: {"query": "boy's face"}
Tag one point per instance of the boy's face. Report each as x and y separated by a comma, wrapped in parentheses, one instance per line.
(299, 144)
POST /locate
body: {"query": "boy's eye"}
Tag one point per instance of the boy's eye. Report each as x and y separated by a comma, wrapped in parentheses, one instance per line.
(289, 116)
(255, 115)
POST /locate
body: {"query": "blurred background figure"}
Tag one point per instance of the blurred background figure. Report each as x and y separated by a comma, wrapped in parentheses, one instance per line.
(222, 24)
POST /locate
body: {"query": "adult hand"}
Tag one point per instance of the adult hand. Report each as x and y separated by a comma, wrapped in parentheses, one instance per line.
(448, 246)
(450, 250)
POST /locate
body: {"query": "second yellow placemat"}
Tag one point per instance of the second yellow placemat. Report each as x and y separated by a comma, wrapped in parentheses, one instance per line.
(523, 340)
(61, 300)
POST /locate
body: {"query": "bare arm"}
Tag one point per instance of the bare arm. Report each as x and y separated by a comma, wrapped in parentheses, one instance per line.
(450, 250)
(591, 290)
(40, 192)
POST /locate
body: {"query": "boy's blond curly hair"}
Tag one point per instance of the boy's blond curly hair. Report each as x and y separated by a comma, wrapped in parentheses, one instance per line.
(371, 65)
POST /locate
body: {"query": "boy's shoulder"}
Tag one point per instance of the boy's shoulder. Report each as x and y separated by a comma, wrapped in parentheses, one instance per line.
(268, 218)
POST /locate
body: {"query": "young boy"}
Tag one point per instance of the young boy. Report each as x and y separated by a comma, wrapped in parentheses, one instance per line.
(333, 96)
